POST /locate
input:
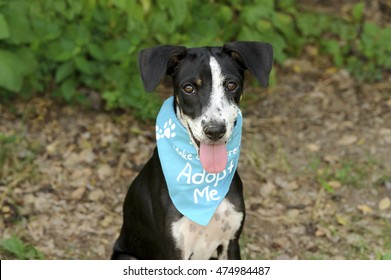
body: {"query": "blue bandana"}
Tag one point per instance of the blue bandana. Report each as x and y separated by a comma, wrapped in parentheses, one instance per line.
(194, 192)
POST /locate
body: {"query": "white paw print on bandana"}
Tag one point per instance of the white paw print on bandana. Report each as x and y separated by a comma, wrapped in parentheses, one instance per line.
(166, 131)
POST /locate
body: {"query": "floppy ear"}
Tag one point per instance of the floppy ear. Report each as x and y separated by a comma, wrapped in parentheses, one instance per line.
(154, 63)
(254, 56)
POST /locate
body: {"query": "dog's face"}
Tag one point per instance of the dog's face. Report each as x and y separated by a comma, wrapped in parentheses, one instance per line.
(207, 88)
(208, 84)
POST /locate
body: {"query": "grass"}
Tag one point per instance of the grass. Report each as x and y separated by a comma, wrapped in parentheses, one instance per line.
(346, 172)
(387, 241)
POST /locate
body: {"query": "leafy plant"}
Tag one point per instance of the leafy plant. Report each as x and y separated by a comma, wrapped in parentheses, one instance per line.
(19, 249)
(70, 48)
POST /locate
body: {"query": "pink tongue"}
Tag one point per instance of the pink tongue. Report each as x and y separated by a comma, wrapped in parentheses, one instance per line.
(213, 157)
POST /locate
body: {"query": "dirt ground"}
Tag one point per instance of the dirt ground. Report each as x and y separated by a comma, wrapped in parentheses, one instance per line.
(315, 163)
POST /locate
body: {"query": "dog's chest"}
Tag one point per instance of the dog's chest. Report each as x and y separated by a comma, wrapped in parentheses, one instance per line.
(204, 242)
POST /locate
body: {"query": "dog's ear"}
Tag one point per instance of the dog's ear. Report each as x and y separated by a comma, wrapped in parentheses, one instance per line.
(255, 56)
(154, 63)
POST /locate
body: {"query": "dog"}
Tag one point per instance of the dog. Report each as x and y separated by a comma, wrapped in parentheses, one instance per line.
(207, 88)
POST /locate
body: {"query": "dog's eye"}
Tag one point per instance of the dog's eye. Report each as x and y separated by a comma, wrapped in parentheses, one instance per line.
(188, 88)
(231, 86)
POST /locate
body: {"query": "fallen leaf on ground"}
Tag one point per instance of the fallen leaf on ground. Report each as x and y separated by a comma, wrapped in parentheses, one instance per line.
(52, 147)
(341, 220)
(384, 204)
(87, 155)
(319, 233)
(347, 140)
(354, 239)
(334, 184)
(267, 189)
(365, 209)
(78, 193)
(313, 147)
(96, 195)
(104, 171)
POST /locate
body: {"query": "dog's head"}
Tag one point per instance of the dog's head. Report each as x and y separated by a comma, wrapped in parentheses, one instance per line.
(208, 84)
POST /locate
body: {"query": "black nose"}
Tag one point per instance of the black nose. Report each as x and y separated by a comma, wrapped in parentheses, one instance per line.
(215, 131)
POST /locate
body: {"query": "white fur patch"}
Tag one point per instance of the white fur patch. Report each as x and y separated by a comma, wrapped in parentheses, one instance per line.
(220, 109)
(198, 242)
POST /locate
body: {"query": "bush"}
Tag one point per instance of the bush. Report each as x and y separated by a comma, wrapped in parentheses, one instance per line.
(70, 47)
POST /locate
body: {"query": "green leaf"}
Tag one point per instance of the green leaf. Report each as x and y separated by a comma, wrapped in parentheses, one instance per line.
(11, 76)
(111, 97)
(371, 29)
(326, 186)
(64, 70)
(265, 4)
(284, 24)
(18, 24)
(4, 139)
(264, 25)
(68, 89)
(273, 78)
(224, 14)
(83, 65)
(4, 31)
(160, 23)
(96, 51)
(132, 8)
(309, 24)
(19, 249)
(62, 50)
(251, 14)
(14, 246)
(332, 47)
(178, 10)
(358, 11)
(28, 60)
(120, 4)
(286, 5)
(78, 34)
(386, 37)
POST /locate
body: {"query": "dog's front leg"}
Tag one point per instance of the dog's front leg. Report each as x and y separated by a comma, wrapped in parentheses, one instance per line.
(233, 250)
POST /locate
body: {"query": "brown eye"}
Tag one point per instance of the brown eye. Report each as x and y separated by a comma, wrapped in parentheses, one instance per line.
(231, 86)
(188, 88)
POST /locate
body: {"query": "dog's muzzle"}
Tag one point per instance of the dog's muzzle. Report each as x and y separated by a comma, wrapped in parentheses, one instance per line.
(215, 132)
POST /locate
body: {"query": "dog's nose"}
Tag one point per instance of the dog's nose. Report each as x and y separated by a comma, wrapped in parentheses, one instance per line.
(215, 131)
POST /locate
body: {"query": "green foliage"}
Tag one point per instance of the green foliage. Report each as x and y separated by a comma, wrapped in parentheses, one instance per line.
(18, 249)
(345, 173)
(65, 47)
(387, 256)
(354, 43)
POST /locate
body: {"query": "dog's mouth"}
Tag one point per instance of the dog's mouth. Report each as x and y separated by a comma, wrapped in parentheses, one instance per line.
(213, 156)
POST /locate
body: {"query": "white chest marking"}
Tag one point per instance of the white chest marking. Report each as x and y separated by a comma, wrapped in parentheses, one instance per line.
(201, 242)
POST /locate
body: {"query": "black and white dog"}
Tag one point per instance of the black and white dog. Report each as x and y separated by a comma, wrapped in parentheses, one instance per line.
(207, 88)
